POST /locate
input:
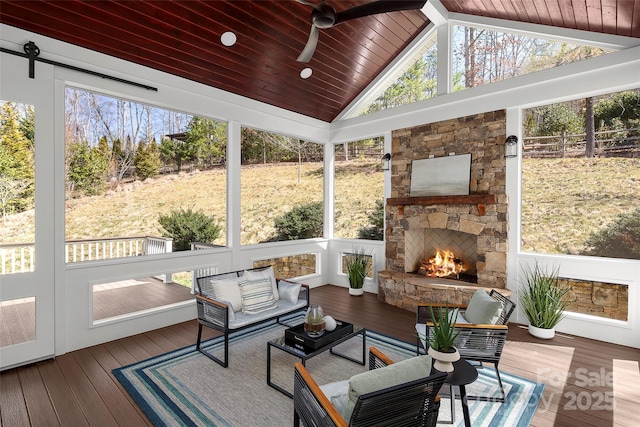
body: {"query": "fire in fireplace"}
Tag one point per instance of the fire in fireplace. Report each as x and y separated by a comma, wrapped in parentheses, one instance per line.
(443, 264)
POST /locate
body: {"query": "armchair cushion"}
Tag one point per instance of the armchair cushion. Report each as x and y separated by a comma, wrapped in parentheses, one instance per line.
(401, 372)
(337, 392)
(227, 290)
(257, 295)
(483, 309)
(289, 291)
(260, 274)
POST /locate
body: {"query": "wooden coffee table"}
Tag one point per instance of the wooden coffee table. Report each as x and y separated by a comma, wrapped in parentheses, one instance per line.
(305, 354)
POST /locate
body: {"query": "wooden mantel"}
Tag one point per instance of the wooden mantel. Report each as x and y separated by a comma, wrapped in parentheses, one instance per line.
(481, 200)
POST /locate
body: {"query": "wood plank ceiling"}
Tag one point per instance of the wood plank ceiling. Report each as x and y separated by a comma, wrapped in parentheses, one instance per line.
(183, 38)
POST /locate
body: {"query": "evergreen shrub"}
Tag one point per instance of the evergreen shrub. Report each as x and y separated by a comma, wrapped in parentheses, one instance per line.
(187, 226)
(620, 239)
(301, 222)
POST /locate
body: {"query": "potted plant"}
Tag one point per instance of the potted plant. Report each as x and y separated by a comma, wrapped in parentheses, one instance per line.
(441, 338)
(357, 264)
(543, 300)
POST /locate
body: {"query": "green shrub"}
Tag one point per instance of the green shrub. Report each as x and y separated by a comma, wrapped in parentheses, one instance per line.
(187, 226)
(374, 231)
(147, 160)
(301, 222)
(620, 239)
(87, 170)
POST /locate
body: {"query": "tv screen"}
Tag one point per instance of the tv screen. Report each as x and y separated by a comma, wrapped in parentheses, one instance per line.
(441, 176)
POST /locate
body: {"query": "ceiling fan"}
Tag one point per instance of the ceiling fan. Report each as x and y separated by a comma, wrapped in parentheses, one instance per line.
(324, 16)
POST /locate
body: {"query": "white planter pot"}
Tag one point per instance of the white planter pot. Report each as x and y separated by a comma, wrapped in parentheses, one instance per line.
(444, 361)
(356, 291)
(545, 334)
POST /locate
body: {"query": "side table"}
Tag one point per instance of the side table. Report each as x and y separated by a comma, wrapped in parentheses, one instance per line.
(463, 373)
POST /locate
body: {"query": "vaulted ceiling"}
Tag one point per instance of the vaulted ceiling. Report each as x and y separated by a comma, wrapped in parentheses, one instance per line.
(183, 38)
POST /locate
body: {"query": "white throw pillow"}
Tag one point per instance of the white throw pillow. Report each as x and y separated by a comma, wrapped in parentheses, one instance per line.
(227, 290)
(257, 295)
(267, 272)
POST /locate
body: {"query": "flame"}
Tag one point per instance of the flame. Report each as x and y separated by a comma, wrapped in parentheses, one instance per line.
(444, 263)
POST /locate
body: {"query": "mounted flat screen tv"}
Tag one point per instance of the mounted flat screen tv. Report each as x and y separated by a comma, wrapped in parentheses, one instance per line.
(441, 176)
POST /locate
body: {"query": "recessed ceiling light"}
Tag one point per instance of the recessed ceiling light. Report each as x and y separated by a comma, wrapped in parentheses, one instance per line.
(306, 73)
(228, 38)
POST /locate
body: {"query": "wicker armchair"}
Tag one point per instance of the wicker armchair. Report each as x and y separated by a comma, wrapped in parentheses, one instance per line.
(482, 343)
(414, 403)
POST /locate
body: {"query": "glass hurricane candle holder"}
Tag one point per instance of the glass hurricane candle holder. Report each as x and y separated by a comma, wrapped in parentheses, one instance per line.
(314, 321)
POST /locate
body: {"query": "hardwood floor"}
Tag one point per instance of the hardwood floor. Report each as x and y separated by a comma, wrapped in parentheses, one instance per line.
(583, 377)
(18, 317)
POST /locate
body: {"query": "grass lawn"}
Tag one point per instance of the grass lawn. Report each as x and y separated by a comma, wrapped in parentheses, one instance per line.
(563, 201)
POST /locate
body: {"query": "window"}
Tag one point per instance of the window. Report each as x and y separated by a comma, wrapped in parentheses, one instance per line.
(481, 56)
(281, 188)
(359, 190)
(136, 174)
(581, 177)
(414, 80)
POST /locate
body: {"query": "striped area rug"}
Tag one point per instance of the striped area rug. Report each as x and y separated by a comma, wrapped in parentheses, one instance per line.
(185, 388)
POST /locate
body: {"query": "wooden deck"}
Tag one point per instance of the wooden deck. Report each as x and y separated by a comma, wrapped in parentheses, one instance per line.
(78, 388)
(17, 317)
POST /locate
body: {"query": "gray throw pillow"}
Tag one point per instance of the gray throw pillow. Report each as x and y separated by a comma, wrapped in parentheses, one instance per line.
(483, 309)
(289, 291)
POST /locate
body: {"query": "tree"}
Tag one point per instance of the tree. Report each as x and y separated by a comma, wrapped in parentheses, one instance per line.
(417, 83)
(590, 128)
(28, 125)
(374, 231)
(16, 157)
(556, 119)
(619, 111)
(296, 146)
(147, 160)
(10, 190)
(178, 151)
(87, 170)
(208, 139)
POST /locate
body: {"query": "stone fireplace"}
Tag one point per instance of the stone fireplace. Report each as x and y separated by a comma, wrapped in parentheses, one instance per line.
(473, 226)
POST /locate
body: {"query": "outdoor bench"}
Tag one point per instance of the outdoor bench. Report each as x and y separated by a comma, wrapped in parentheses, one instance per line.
(236, 300)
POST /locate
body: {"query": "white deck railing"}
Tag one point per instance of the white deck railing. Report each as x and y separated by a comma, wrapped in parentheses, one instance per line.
(20, 257)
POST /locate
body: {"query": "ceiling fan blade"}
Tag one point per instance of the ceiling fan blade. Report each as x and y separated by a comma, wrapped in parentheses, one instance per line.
(308, 3)
(376, 7)
(310, 47)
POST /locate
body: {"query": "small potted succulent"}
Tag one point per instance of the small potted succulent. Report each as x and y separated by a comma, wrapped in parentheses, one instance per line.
(441, 338)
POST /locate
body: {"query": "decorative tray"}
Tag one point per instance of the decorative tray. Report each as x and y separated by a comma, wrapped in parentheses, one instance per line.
(296, 337)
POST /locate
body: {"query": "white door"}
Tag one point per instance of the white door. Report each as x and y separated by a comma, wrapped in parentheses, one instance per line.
(27, 223)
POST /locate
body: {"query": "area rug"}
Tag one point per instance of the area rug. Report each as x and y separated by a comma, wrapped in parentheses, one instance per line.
(185, 388)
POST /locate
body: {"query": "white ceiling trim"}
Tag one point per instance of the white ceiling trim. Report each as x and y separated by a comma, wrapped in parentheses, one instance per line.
(436, 12)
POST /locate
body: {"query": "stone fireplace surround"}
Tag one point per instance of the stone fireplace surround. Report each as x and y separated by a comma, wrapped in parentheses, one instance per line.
(482, 214)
